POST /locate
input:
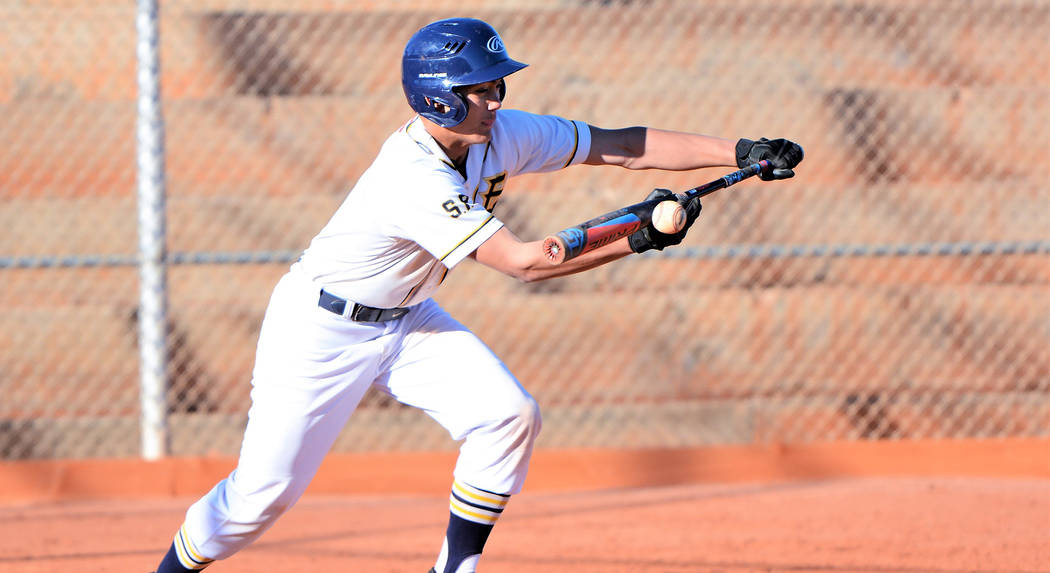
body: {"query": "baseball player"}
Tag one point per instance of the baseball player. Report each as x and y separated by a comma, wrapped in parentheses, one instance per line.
(356, 310)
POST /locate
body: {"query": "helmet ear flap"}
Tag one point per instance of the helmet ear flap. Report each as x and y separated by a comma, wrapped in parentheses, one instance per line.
(502, 87)
(438, 109)
(438, 106)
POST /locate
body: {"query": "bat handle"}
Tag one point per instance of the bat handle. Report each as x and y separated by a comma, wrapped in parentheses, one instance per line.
(760, 167)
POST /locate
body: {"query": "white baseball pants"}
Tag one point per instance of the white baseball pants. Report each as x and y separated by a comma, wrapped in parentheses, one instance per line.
(312, 369)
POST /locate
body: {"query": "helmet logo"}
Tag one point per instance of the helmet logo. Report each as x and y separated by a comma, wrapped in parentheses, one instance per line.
(495, 45)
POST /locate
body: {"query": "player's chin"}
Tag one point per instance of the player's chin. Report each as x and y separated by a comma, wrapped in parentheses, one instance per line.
(482, 136)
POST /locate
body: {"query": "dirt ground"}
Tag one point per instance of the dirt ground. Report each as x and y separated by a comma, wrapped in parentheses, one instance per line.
(898, 525)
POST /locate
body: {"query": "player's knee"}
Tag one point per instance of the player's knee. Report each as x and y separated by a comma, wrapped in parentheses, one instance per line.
(527, 418)
(260, 507)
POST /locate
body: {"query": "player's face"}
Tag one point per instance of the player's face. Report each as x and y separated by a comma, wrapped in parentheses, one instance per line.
(483, 100)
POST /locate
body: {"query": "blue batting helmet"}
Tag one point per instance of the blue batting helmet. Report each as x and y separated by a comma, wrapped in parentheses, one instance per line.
(448, 54)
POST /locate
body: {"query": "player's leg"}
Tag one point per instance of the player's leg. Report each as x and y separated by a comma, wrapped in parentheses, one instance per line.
(312, 368)
(445, 370)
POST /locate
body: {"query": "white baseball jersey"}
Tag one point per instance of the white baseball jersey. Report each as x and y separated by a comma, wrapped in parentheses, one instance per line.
(412, 216)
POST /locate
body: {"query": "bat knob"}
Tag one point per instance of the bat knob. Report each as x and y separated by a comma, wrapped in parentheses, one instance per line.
(554, 250)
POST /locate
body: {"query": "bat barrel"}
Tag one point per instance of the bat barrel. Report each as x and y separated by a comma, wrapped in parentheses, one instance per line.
(600, 231)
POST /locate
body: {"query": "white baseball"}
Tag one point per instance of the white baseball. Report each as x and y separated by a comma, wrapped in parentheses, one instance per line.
(668, 217)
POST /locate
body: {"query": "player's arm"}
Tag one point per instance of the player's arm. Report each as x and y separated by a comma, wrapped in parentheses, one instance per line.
(649, 148)
(526, 262)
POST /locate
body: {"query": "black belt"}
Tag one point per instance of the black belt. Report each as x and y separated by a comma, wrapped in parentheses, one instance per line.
(359, 312)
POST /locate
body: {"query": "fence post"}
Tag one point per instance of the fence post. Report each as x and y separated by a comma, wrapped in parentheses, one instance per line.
(152, 314)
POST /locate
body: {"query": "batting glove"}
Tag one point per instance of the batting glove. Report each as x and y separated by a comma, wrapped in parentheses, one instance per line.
(783, 154)
(648, 237)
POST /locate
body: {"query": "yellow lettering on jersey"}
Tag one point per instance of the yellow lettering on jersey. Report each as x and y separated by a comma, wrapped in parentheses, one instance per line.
(495, 189)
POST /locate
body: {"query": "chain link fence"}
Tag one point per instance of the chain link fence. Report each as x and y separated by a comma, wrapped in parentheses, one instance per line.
(897, 288)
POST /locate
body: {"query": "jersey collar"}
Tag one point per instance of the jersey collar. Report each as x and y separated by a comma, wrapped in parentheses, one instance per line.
(418, 133)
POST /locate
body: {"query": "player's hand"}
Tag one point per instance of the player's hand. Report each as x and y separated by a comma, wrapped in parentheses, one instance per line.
(648, 237)
(783, 154)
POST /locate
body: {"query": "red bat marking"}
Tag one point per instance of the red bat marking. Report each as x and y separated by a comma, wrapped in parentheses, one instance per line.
(612, 230)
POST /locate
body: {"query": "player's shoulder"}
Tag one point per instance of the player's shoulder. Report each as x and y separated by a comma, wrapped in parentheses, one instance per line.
(511, 118)
(514, 115)
(526, 131)
(411, 150)
(407, 161)
(517, 123)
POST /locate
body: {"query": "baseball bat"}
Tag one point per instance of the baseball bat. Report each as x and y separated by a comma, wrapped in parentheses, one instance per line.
(604, 229)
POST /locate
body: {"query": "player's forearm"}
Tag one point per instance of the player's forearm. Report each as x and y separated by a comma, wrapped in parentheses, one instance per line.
(649, 148)
(676, 151)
